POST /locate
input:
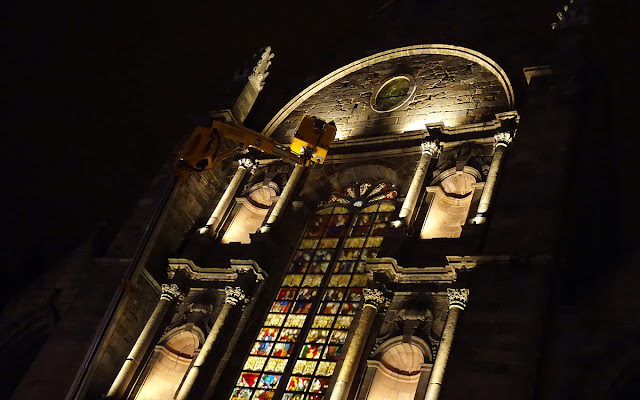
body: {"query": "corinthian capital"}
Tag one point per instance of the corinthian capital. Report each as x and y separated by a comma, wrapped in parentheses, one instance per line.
(373, 297)
(458, 298)
(246, 163)
(170, 292)
(503, 139)
(235, 294)
(430, 148)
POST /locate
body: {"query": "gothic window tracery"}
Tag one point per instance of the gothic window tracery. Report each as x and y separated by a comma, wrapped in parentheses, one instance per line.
(296, 351)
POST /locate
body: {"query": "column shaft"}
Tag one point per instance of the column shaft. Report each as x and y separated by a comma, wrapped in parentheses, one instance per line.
(223, 204)
(406, 212)
(142, 343)
(408, 206)
(373, 298)
(457, 303)
(234, 295)
(285, 197)
(354, 352)
(492, 177)
(437, 373)
(194, 371)
(502, 141)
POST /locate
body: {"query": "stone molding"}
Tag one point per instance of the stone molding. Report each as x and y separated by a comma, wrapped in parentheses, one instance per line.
(170, 292)
(374, 298)
(431, 148)
(234, 295)
(458, 298)
(389, 267)
(230, 274)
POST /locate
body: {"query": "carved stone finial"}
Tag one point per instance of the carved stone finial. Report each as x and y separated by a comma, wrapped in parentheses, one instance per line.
(430, 148)
(235, 294)
(503, 139)
(260, 73)
(458, 298)
(170, 292)
(246, 163)
(374, 297)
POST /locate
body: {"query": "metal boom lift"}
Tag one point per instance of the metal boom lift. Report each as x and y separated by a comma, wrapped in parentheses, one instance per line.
(309, 144)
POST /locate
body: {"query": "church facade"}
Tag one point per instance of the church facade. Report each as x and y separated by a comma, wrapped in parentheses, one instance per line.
(417, 262)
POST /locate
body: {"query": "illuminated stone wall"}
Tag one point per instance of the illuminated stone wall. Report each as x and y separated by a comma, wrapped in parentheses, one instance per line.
(450, 89)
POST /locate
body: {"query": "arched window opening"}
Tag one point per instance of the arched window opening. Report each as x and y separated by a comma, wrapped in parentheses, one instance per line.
(172, 360)
(450, 206)
(250, 216)
(297, 349)
(398, 374)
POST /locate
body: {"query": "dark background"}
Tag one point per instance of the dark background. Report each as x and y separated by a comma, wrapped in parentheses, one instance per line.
(97, 94)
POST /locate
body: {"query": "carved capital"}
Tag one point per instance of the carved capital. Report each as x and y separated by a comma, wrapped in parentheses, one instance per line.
(235, 294)
(374, 297)
(430, 148)
(458, 298)
(170, 292)
(246, 163)
(503, 139)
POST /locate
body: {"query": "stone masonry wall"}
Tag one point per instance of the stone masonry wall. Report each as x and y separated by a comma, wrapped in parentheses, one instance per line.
(450, 89)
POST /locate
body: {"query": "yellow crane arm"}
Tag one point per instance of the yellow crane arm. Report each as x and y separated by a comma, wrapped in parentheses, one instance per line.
(310, 143)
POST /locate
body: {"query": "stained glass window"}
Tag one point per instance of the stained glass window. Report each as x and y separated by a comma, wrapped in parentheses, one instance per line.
(296, 351)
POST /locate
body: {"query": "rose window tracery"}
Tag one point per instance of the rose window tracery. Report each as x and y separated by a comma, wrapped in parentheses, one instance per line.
(363, 194)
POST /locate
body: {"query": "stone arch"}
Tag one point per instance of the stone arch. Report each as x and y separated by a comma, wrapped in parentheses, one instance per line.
(323, 185)
(170, 362)
(398, 369)
(422, 49)
(450, 204)
(420, 343)
(251, 213)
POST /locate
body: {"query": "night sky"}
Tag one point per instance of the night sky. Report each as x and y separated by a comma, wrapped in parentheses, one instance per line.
(97, 94)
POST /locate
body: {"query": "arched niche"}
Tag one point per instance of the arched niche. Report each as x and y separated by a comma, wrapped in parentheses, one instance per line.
(250, 213)
(169, 363)
(397, 371)
(449, 200)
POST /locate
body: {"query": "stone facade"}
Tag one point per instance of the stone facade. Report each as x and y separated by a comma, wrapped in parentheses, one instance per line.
(474, 303)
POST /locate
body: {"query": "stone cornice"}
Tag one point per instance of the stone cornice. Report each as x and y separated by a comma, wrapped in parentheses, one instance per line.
(389, 268)
(395, 273)
(229, 274)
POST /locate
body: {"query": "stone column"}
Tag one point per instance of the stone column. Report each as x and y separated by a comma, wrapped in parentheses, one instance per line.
(119, 386)
(502, 140)
(429, 150)
(457, 302)
(373, 299)
(234, 296)
(285, 197)
(227, 197)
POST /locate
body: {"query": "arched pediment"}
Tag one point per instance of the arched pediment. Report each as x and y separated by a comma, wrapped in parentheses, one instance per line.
(430, 84)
